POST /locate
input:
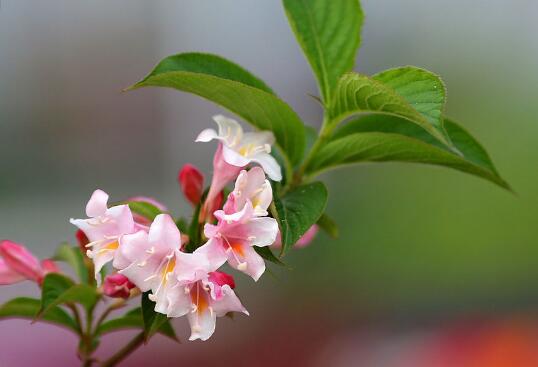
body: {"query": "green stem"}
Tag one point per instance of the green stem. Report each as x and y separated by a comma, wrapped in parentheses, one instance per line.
(114, 306)
(125, 351)
(324, 134)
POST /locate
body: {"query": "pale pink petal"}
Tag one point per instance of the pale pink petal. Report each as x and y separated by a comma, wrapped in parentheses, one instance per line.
(214, 253)
(202, 319)
(191, 266)
(245, 259)
(234, 158)
(164, 233)
(97, 205)
(207, 135)
(179, 301)
(229, 130)
(20, 260)
(262, 231)
(228, 302)
(8, 275)
(269, 165)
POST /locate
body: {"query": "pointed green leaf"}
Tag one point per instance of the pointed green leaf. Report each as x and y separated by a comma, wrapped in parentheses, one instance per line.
(238, 93)
(329, 34)
(298, 210)
(74, 257)
(145, 209)
(133, 320)
(267, 254)
(401, 141)
(421, 100)
(54, 285)
(27, 308)
(204, 63)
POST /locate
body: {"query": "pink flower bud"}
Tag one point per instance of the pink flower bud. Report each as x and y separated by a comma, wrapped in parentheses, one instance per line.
(49, 266)
(303, 241)
(220, 278)
(82, 240)
(191, 181)
(20, 260)
(117, 286)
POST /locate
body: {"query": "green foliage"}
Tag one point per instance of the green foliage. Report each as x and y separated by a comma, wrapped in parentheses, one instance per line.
(74, 257)
(356, 94)
(58, 289)
(388, 138)
(329, 34)
(27, 308)
(133, 320)
(298, 210)
(152, 321)
(267, 254)
(262, 109)
(145, 209)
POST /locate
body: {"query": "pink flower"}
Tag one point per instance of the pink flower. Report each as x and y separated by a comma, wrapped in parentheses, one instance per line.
(235, 151)
(250, 187)
(305, 239)
(191, 181)
(104, 228)
(234, 236)
(204, 298)
(153, 261)
(117, 286)
(18, 264)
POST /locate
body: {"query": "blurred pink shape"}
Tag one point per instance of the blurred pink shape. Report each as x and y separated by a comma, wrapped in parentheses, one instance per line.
(17, 264)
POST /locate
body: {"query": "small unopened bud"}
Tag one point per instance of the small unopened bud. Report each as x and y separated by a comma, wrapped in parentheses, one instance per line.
(20, 260)
(191, 181)
(117, 286)
(82, 240)
(220, 278)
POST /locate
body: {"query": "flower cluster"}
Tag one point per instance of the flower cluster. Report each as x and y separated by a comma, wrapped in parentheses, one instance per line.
(153, 257)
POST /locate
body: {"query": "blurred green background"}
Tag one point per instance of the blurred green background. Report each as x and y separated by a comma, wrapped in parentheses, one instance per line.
(418, 244)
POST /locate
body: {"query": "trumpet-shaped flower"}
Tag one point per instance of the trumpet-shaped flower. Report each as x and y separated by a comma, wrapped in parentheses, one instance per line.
(203, 298)
(153, 261)
(235, 151)
(233, 237)
(18, 264)
(253, 187)
(104, 228)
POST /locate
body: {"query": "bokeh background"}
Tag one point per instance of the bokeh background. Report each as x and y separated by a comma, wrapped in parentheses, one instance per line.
(432, 268)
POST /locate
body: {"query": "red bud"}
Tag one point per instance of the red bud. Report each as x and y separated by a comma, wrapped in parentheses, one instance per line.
(191, 181)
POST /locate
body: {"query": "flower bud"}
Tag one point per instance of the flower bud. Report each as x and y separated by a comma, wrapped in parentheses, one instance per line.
(20, 260)
(304, 241)
(82, 240)
(117, 286)
(191, 181)
(220, 278)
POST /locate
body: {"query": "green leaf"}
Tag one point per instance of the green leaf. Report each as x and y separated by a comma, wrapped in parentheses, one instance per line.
(152, 321)
(58, 289)
(54, 285)
(400, 141)
(328, 225)
(256, 106)
(133, 320)
(27, 308)
(267, 254)
(203, 63)
(298, 210)
(145, 209)
(329, 34)
(74, 257)
(421, 99)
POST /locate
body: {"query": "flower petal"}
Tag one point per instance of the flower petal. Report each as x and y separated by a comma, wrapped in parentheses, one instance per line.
(20, 260)
(97, 205)
(164, 233)
(269, 165)
(245, 259)
(262, 231)
(202, 324)
(8, 275)
(229, 130)
(227, 303)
